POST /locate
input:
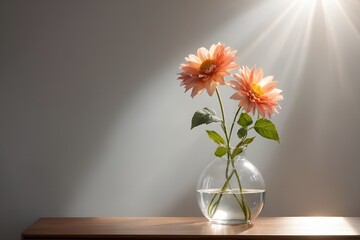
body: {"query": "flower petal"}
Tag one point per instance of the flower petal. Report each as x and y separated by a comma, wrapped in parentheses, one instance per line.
(213, 72)
(254, 92)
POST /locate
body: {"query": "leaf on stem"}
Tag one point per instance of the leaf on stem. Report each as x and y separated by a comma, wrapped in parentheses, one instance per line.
(215, 137)
(220, 151)
(247, 141)
(204, 116)
(245, 120)
(266, 129)
(236, 152)
(242, 132)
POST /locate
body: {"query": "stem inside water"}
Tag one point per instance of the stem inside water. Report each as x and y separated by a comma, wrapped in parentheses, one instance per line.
(215, 201)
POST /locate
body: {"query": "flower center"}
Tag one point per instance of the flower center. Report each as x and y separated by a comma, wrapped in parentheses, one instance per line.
(255, 93)
(208, 66)
(257, 90)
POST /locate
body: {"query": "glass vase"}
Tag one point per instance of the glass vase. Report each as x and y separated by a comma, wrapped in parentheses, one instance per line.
(231, 191)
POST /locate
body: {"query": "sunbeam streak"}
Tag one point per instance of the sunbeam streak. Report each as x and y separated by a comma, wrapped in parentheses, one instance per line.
(314, 49)
(299, 39)
(289, 35)
(268, 31)
(347, 18)
(340, 31)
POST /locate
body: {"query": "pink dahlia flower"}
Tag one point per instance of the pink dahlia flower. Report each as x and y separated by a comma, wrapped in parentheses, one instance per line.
(207, 69)
(255, 92)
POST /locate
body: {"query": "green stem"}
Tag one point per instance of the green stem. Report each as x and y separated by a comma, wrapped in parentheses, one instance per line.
(244, 206)
(214, 205)
(233, 123)
(227, 169)
(223, 125)
(223, 117)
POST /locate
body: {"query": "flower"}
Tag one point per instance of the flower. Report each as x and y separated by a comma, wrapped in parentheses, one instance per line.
(255, 92)
(207, 69)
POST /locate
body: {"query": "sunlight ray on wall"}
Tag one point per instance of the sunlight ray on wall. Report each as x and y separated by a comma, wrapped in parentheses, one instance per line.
(268, 30)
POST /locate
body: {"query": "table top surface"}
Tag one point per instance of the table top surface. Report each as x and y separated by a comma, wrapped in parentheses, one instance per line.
(191, 226)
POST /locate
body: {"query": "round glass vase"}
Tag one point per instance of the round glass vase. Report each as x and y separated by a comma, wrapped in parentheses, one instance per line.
(231, 191)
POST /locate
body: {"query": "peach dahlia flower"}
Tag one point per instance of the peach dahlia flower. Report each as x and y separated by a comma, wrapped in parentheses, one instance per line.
(207, 69)
(255, 92)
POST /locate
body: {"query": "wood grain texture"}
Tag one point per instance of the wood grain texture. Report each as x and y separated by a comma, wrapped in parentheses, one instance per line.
(193, 228)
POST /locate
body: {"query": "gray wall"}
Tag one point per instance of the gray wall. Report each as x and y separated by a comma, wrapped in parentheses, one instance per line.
(94, 123)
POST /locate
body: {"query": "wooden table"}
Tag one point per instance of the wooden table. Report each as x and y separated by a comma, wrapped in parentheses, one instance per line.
(193, 228)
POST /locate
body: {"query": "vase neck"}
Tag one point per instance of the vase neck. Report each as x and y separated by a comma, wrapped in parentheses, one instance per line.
(240, 156)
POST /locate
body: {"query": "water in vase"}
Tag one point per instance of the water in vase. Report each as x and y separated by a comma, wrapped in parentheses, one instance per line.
(228, 210)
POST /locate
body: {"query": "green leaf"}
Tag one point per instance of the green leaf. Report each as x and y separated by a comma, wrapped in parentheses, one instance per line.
(236, 152)
(215, 137)
(242, 132)
(247, 141)
(220, 151)
(245, 120)
(266, 129)
(204, 116)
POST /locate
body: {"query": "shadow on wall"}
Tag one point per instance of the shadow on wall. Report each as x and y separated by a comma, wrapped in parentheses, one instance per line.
(68, 69)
